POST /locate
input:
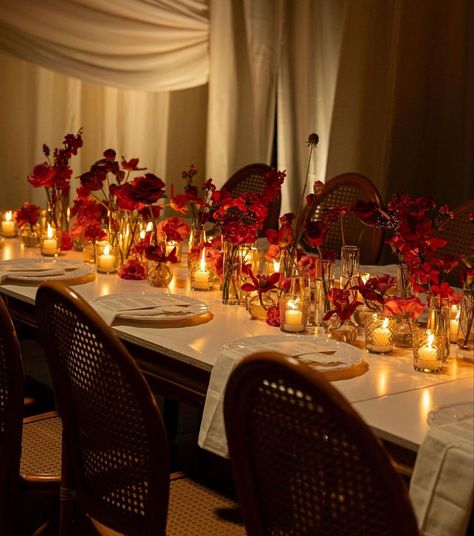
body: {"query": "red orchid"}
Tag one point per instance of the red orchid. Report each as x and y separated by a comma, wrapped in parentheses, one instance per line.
(410, 308)
(260, 283)
(343, 307)
(158, 253)
(373, 291)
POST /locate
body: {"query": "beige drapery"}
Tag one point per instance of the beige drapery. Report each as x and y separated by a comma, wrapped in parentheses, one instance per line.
(387, 85)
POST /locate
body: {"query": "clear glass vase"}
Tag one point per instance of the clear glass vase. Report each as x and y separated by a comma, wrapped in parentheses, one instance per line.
(403, 333)
(160, 274)
(438, 322)
(323, 282)
(31, 236)
(404, 288)
(345, 331)
(466, 322)
(231, 274)
(349, 265)
(258, 305)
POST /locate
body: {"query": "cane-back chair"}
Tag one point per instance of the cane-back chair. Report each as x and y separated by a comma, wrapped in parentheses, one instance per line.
(251, 178)
(116, 459)
(346, 189)
(304, 462)
(460, 235)
(30, 449)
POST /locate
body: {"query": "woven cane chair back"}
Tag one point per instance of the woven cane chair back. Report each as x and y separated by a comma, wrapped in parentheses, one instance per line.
(11, 412)
(460, 235)
(251, 178)
(346, 189)
(115, 442)
(304, 462)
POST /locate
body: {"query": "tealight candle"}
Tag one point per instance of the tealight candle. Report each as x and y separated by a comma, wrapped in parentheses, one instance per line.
(293, 317)
(49, 244)
(107, 260)
(201, 277)
(8, 225)
(379, 334)
(426, 353)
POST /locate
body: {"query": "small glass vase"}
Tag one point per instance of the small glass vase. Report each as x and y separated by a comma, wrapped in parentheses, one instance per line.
(107, 257)
(438, 322)
(345, 331)
(159, 274)
(379, 331)
(403, 333)
(258, 305)
(466, 322)
(404, 288)
(349, 265)
(31, 236)
(231, 274)
(323, 282)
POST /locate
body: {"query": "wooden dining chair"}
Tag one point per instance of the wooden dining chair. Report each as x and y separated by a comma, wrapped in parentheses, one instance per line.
(30, 449)
(303, 460)
(347, 189)
(460, 235)
(251, 178)
(116, 459)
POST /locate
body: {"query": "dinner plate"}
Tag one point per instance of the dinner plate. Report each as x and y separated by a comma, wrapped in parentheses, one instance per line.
(453, 413)
(319, 353)
(42, 269)
(166, 306)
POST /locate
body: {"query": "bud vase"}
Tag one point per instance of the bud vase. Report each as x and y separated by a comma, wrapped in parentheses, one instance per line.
(466, 322)
(438, 322)
(231, 274)
(349, 265)
(324, 280)
(160, 274)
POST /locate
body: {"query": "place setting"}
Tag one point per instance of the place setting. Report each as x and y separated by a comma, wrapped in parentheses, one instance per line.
(37, 270)
(151, 307)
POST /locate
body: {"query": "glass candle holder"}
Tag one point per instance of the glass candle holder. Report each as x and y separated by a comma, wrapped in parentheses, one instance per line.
(202, 273)
(379, 330)
(454, 313)
(107, 258)
(349, 265)
(50, 241)
(465, 337)
(8, 225)
(294, 304)
(177, 246)
(428, 350)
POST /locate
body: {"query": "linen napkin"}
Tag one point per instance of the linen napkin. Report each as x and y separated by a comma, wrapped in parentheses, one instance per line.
(442, 485)
(33, 274)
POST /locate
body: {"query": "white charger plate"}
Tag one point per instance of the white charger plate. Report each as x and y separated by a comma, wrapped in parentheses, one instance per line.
(322, 354)
(73, 269)
(192, 306)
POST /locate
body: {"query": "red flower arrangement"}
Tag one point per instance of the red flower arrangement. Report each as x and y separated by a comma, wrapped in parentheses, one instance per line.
(174, 228)
(374, 290)
(344, 307)
(407, 308)
(157, 253)
(28, 214)
(132, 269)
(54, 176)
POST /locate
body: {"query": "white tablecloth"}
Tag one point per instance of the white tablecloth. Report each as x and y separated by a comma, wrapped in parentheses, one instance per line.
(442, 485)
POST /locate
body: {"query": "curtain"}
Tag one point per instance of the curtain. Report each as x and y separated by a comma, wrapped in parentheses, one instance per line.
(166, 131)
(306, 87)
(158, 45)
(245, 45)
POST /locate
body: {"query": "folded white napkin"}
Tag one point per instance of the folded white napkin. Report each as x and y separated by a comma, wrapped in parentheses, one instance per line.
(33, 274)
(442, 485)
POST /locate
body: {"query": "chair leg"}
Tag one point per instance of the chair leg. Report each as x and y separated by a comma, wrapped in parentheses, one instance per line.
(66, 508)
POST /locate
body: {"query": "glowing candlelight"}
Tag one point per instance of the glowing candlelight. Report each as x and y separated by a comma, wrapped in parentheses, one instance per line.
(106, 261)
(454, 313)
(50, 243)
(293, 316)
(8, 226)
(427, 356)
(200, 278)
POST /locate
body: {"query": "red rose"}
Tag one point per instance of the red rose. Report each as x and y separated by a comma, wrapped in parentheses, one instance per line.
(42, 175)
(93, 180)
(109, 154)
(147, 189)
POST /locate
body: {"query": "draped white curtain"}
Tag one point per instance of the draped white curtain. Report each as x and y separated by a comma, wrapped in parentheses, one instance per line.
(159, 45)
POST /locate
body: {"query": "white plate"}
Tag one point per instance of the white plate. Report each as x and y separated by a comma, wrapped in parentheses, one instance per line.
(12, 269)
(450, 414)
(190, 307)
(320, 353)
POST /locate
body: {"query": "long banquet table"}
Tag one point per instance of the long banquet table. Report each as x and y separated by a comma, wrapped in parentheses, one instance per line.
(391, 396)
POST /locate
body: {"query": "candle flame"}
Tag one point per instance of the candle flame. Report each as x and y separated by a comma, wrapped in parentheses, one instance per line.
(8, 215)
(276, 266)
(49, 231)
(149, 227)
(68, 213)
(430, 340)
(365, 277)
(203, 260)
(142, 234)
(385, 323)
(293, 305)
(106, 250)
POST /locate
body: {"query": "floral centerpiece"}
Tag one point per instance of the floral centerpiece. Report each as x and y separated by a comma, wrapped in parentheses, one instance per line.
(27, 218)
(54, 175)
(110, 195)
